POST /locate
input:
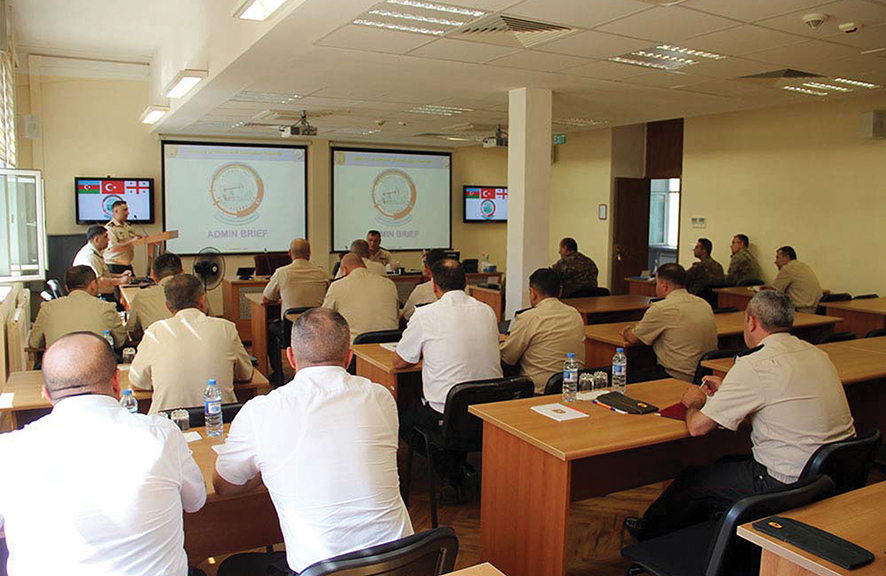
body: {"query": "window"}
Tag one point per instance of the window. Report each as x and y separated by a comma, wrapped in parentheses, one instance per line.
(23, 233)
(8, 149)
(664, 221)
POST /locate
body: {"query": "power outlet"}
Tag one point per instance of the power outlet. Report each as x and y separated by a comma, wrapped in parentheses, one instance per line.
(699, 222)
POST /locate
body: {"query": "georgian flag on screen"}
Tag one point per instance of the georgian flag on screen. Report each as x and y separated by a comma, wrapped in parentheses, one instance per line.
(136, 186)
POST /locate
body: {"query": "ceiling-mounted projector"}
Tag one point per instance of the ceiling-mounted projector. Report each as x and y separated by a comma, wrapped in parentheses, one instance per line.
(300, 128)
(499, 140)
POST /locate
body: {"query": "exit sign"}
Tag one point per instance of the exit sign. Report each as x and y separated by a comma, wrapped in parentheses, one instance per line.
(559, 138)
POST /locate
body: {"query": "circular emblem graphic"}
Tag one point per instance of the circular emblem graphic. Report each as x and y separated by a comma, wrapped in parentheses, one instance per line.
(237, 191)
(487, 209)
(107, 202)
(393, 195)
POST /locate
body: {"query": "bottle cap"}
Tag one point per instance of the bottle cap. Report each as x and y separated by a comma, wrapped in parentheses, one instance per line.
(127, 391)
(619, 350)
(106, 332)
(570, 355)
(211, 382)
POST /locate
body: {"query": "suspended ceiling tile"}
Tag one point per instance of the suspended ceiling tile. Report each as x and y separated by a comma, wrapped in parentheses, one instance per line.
(354, 37)
(742, 40)
(661, 79)
(592, 44)
(461, 51)
(538, 61)
(861, 12)
(667, 24)
(604, 70)
(750, 10)
(730, 68)
(578, 13)
(803, 54)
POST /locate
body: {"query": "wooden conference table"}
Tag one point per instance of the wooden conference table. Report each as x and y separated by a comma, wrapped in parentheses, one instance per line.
(858, 516)
(601, 340)
(737, 296)
(28, 402)
(377, 364)
(859, 316)
(602, 309)
(641, 287)
(490, 296)
(533, 467)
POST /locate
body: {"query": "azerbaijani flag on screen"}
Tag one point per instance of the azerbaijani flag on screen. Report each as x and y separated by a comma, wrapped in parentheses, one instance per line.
(472, 192)
(89, 186)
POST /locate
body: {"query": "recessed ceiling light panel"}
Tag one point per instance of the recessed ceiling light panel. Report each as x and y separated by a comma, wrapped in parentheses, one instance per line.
(804, 90)
(665, 57)
(579, 122)
(258, 10)
(471, 12)
(417, 17)
(822, 86)
(265, 97)
(436, 110)
(183, 83)
(152, 114)
(858, 83)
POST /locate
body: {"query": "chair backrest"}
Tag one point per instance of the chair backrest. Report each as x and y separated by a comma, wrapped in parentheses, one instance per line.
(287, 323)
(55, 288)
(428, 553)
(865, 296)
(727, 549)
(600, 291)
(835, 297)
(267, 262)
(554, 384)
(196, 417)
(876, 333)
(584, 293)
(750, 282)
(378, 337)
(462, 430)
(847, 462)
(836, 337)
(701, 371)
(725, 310)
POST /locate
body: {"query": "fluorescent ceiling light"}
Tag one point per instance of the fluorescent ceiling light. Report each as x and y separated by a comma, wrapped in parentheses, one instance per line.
(416, 17)
(665, 57)
(183, 83)
(258, 10)
(823, 86)
(265, 97)
(152, 114)
(579, 122)
(436, 110)
(439, 7)
(635, 62)
(804, 90)
(659, 56)
(691, 52)
(399, 27)
(855, 83)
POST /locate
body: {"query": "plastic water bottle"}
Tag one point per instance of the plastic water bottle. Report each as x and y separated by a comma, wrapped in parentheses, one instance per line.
(108, 338)
(128, 401)
(212, 411)
(620, 371)
(570, 378)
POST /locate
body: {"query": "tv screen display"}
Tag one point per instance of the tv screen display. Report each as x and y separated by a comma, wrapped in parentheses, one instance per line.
(95, 196)
(486, 203)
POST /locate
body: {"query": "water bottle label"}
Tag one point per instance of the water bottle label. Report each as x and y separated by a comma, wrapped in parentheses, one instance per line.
(617, 369)
(212, 407)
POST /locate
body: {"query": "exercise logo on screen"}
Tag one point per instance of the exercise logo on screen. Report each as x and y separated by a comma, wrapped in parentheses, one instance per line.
(107, 203)
(236, 191)
(393, 195)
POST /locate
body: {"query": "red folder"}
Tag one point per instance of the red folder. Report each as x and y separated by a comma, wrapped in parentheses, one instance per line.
(676, 411)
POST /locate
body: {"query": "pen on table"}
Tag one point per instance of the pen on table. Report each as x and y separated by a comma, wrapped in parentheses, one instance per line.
(598, 403)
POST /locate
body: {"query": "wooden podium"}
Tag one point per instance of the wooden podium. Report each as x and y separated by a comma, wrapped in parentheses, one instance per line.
(156, 244)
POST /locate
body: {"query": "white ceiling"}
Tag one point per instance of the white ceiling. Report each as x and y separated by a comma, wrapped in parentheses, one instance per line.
(354, 79)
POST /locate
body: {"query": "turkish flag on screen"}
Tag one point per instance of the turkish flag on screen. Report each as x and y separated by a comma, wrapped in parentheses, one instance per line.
(112, 187)
(487, 193)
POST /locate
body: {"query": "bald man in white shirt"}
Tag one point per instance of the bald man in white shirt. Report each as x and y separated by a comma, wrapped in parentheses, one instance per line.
(106, 494)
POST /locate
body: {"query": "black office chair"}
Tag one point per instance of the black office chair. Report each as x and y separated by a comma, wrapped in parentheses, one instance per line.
(280, 332)
(707, 293)
(376, 337)
(838, 297)
(751, 282)
(713, 548)
(865, 297)
(427, 553)
(725, 310)
(846, 462)
(836, 337)
(461, 430)
(554, 384)
(701, 371)
(54, 287)
(876, 333)
(196, 417)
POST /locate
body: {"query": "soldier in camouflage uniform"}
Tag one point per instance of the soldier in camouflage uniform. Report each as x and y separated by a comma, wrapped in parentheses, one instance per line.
(742, 265)
(577, 272)
(706, 272)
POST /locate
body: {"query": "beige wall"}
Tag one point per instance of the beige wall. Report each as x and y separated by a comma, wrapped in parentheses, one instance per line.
(479, 166)
(798, 175)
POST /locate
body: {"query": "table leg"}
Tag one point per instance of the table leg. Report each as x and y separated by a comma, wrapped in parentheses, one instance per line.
(523, 522)
(259, 324)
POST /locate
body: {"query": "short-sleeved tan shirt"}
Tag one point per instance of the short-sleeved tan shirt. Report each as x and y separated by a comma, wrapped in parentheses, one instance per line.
(541, 338)
(374, 267)
(383, 257)
(680, 329)
(117, 234)
(366, 300)
(147, 306)
(298, 285)
(422, 294)
(797, 280)
(793, 398)
(78, 311)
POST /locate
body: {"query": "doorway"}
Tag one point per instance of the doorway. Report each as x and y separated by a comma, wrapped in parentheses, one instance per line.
(664, 221)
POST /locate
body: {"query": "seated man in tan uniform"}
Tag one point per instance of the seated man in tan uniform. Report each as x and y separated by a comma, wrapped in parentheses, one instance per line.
(680, 328)
(149, 304)
(79, 311)
(790, 393)
(177, 356)
(540, 338)
(797, 280)
(361, 249)
(367, 301)
(423, 293)
(92, 255)
(376, 252)
(300, 284)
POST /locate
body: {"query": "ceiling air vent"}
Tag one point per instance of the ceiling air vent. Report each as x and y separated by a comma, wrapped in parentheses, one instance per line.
(510, 31)
(777, 78)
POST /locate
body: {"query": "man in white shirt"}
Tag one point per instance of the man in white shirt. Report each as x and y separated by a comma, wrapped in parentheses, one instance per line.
(791, 395)
(120, 252)
(361, 249)
(81, 310)
(423, 293)
(149, 304)
(91, 254)
(177, 356)
(325, 446)
(367, 301)
(456, 338)
(97, 491)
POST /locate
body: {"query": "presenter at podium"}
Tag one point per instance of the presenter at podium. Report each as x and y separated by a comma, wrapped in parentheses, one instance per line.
(120, 250)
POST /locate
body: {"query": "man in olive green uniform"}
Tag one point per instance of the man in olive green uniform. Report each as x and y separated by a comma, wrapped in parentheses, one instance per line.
(706, 272)
(796, 280)
(577, 272)
(742, 264)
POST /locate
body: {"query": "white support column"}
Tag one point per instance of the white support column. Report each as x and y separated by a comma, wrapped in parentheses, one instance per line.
(529, 184)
